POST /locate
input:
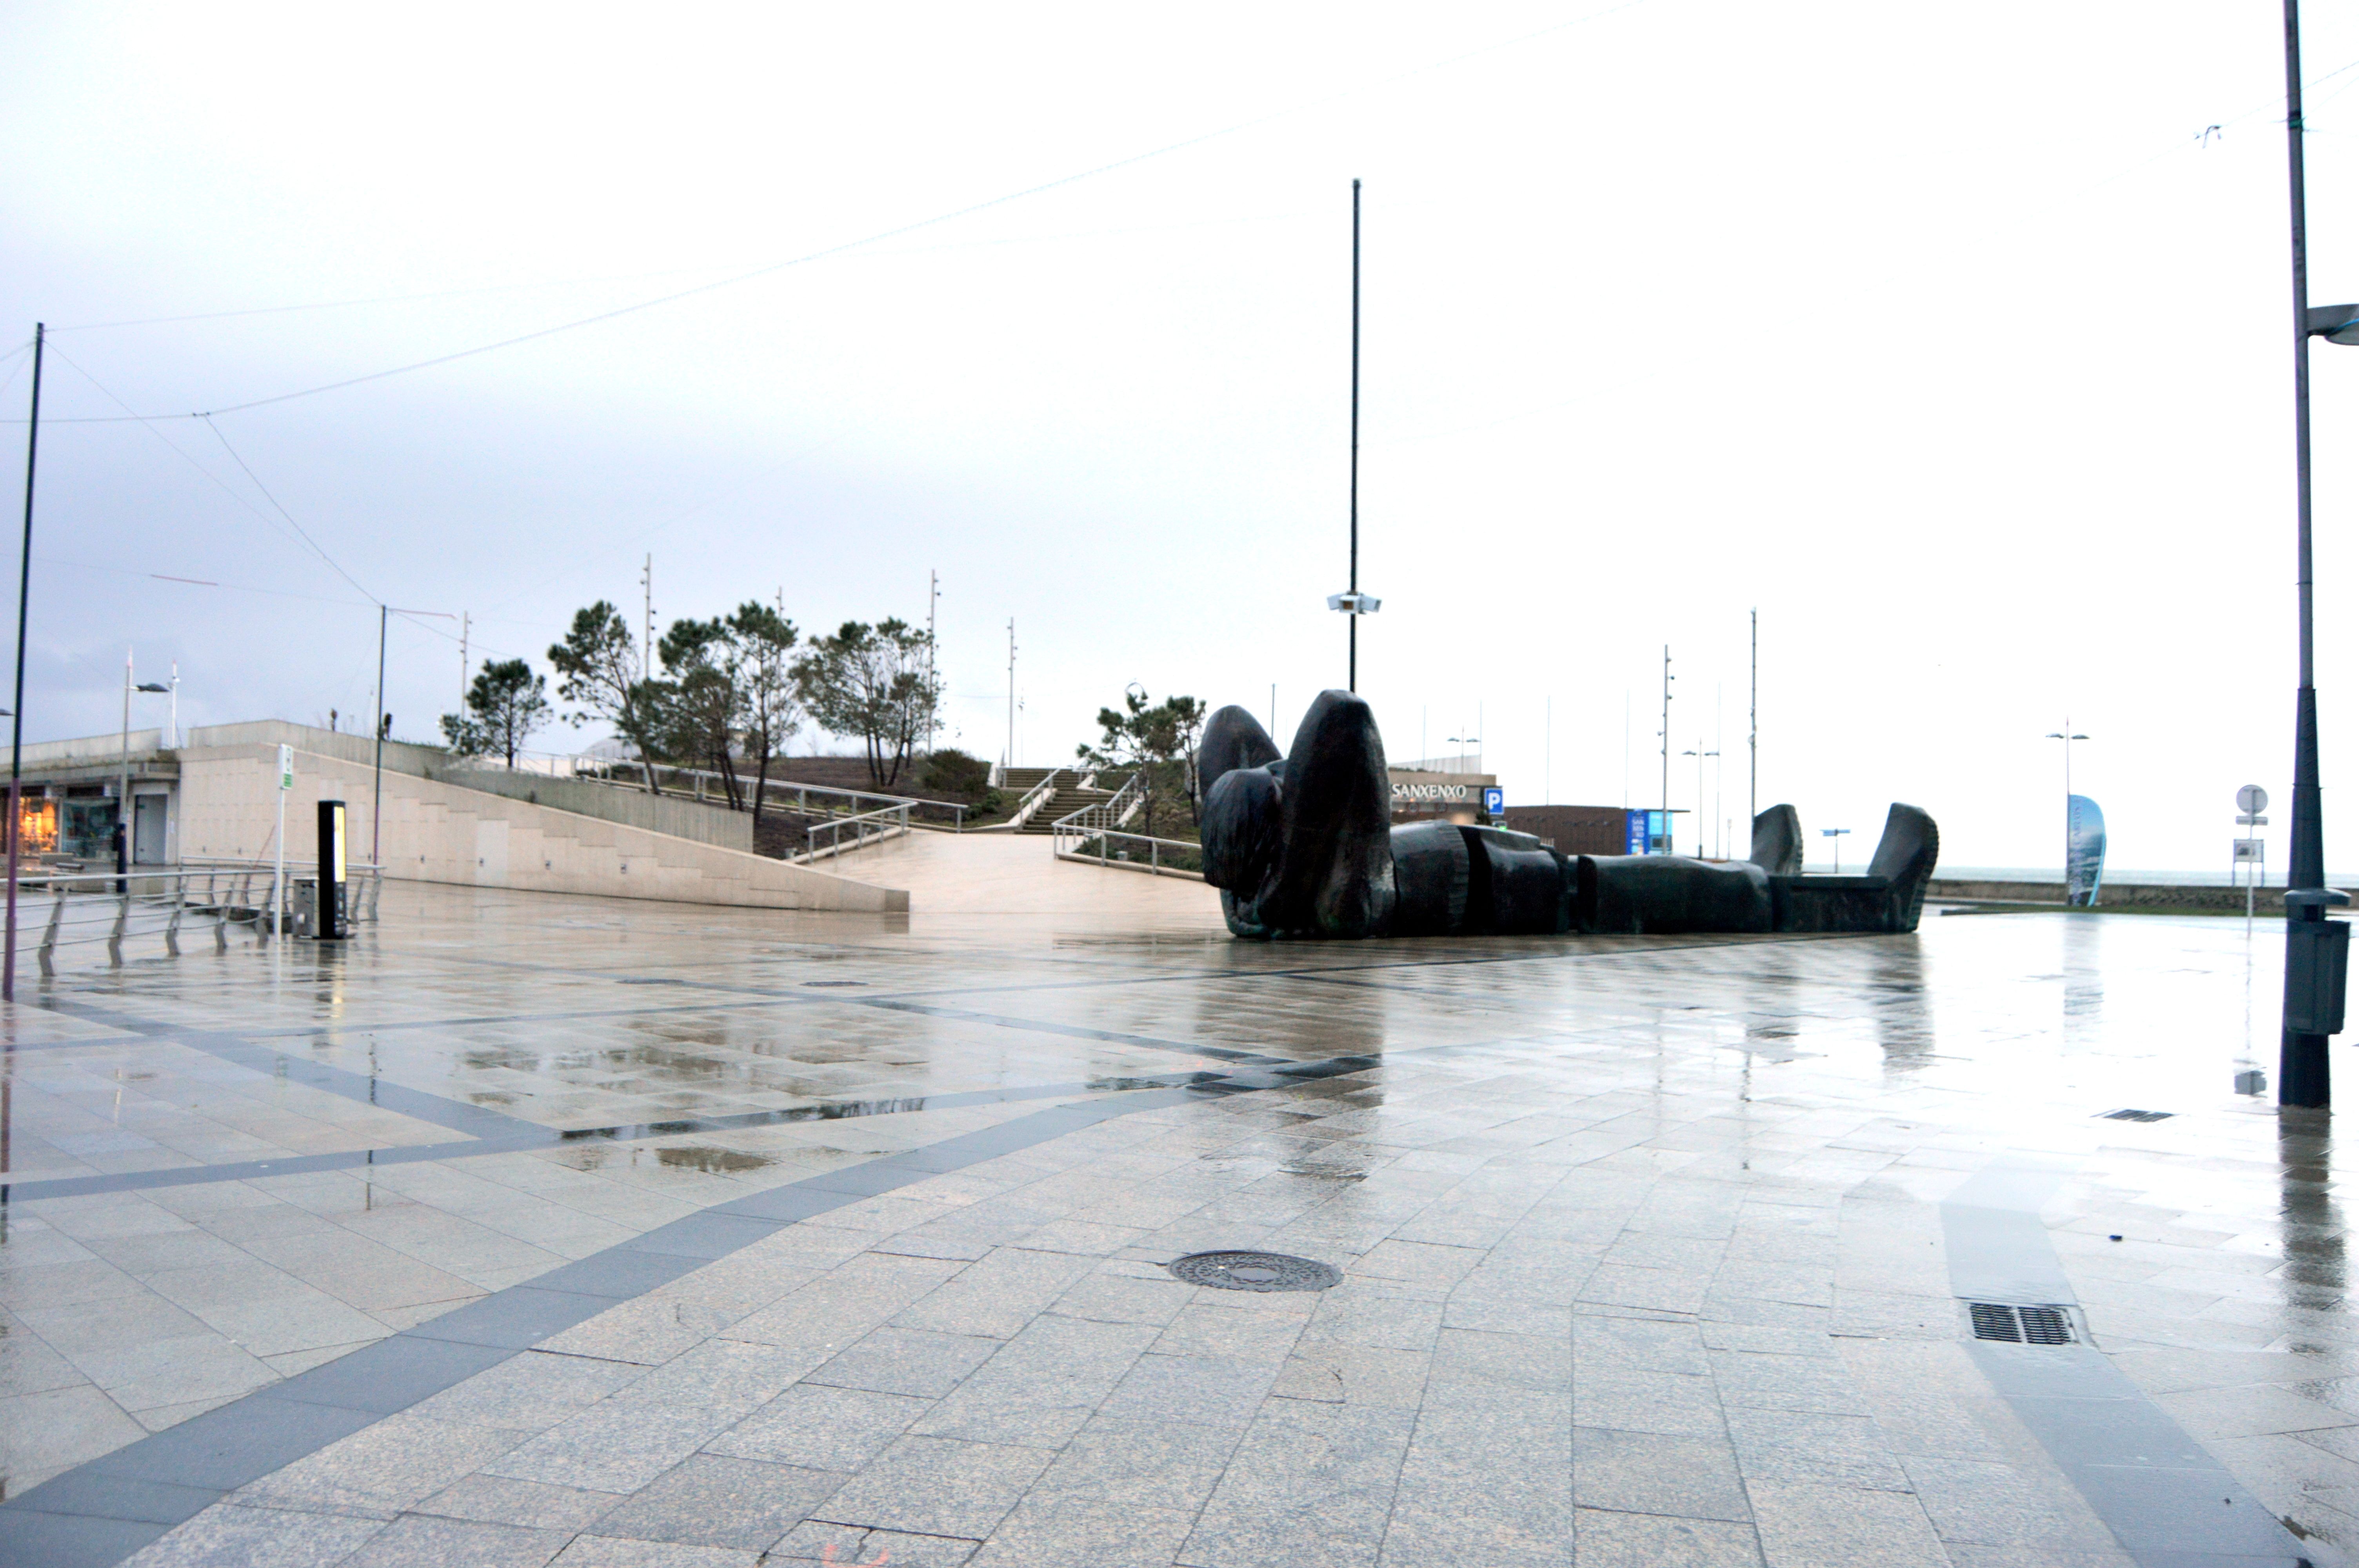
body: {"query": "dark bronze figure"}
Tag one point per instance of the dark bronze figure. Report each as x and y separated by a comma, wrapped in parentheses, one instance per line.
(1302, 845)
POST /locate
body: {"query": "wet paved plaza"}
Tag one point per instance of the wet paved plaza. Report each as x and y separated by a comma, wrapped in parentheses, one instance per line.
(529, 1230)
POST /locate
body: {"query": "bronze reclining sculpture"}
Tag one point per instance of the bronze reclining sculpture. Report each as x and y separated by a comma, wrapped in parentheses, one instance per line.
(1303, 846)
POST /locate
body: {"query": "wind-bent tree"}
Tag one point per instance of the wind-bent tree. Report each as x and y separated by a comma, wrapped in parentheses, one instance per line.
(875, 682)
(1156, 741)
(598, 669)
(761, 641)
(507, 703)
(706, 703)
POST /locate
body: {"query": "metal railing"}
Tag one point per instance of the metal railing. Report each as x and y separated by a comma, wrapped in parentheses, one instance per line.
(1094, 834)
(1039, 796)
(867, 828)
(113, 907)
(1130, 851)
(704, 783)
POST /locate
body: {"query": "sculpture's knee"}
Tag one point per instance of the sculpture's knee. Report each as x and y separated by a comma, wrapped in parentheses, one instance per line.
(1334, 871)
(1242, 824)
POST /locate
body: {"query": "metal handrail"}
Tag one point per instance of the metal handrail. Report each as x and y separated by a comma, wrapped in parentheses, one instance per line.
(867, 828)
(1039, 796)
(1155, 851)
(1107, 813)
(606, 771)
(228, 898)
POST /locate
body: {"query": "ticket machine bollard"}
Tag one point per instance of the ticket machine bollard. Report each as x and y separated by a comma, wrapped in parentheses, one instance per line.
(331, 923)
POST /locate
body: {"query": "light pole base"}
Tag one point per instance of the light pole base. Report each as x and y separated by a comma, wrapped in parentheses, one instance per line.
(2303, 1075)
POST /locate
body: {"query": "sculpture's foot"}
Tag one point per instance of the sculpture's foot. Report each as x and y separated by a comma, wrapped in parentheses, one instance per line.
(1301, 847)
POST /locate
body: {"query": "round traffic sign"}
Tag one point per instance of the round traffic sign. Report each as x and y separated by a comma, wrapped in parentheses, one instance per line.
(2252, 800)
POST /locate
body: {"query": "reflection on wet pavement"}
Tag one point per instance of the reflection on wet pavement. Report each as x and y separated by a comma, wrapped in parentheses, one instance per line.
(1642, 1242)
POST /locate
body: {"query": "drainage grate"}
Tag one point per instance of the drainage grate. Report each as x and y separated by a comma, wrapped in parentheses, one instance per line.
(2135, 1116)
(836, 983)
(2021, 1324)
(1254, 1271)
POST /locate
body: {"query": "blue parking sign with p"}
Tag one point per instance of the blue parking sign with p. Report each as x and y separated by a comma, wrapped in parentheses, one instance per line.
(1495, 800)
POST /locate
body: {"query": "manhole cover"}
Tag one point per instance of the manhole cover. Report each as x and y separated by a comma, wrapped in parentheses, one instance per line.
(2133, 1115)
(1254, 1271)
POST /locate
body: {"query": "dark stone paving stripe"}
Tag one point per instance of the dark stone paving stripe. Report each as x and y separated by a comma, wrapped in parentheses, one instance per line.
(530, 1135)
(2167, 1501)
(1069, 1031)
(99, 1513)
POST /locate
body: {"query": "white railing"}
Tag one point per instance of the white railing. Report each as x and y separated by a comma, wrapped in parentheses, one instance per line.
(1128, 851)
(1039, 796)
(707, 784)
(112, 907)
(867, 828)
(1092, 834)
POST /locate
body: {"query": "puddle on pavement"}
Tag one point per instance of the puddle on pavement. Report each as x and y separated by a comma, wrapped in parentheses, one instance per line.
(714, 1162)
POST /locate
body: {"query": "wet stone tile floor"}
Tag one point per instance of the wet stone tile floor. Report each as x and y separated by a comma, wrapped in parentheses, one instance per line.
(532, 1230)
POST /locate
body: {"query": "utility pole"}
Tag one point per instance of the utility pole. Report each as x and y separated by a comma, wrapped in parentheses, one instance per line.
(463, 661)
(933, 700)
(123, 801)
(1667, 751)
(648, 593)
(1752, 741)
(376, 782)
(15, 827)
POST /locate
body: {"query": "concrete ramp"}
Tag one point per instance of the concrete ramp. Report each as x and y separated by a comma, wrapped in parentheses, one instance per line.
(1008, 873)
(435, 831)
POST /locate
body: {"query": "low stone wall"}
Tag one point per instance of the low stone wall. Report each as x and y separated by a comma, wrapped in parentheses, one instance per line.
(440, 831)
(2192, 898)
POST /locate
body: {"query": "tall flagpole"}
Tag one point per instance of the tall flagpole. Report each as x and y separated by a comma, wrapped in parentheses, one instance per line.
(1352, 620)
(16, 709)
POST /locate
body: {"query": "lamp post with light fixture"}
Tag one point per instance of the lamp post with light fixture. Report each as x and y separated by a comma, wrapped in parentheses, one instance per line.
(2316, 949)
(1351, 602)
(122, 822)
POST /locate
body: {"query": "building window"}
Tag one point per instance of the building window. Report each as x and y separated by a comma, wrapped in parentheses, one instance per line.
(37, 826)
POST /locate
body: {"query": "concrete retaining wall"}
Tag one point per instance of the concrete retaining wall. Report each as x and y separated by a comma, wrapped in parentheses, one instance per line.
(2193, 898)
(706, 824)
(441, 832)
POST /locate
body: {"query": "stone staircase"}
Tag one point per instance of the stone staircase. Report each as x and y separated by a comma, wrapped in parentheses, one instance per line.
(1069, 797)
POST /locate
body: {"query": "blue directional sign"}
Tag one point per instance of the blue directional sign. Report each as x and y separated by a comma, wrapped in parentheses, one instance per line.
(1495, 801)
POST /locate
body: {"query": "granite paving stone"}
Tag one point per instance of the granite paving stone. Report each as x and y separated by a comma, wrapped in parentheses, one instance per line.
(716, 1500)
(935, 1486)
(1644, 1244)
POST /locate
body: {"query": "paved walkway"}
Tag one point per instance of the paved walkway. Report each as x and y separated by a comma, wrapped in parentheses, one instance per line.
(1007, 873)
(530, 1229)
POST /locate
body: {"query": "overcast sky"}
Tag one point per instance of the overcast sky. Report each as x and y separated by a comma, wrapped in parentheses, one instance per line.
(1940, 335)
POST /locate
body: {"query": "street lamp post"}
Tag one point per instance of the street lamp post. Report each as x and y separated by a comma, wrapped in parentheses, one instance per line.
(2316, 949)
(1699, 753)
(2067, 736)
(1351, 602)
(122, 823)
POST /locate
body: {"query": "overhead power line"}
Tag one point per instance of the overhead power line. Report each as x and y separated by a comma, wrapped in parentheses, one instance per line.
(895, 232)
